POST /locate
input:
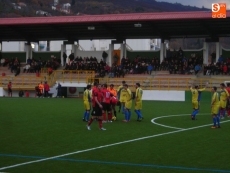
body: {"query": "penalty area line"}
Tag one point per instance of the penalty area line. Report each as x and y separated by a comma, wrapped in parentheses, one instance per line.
(103, 146)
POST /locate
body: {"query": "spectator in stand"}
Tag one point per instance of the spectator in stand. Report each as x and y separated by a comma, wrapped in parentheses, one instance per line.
(2, 62)
(107, 68)
(150, 69)
(64, 58)
(29, 61)
(197, 69)
(50, 71)
(26, 68)
(220, 59)
(6, 62)
(18, 70)
(225, 68)
(111, 72)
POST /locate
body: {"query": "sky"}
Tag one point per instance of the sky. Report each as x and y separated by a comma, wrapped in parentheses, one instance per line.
(199, 3)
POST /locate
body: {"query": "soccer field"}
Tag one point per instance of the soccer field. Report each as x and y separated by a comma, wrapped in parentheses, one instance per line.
(48, 136)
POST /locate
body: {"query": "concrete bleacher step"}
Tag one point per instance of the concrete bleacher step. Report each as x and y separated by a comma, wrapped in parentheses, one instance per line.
(164, 72)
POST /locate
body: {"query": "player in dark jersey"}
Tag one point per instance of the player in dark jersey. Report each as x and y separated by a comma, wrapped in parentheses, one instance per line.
(106, 104)
(97, 106)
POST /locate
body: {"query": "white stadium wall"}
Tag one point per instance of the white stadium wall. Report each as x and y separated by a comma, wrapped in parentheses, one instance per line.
(163, 95)
(139, 44)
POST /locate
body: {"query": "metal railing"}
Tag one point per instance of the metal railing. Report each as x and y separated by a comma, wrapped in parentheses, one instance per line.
(77, 76)
(21, 81)
(84, 76)
(160, 83)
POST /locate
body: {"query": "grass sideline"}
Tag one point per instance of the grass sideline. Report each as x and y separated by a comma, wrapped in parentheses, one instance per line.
(33, 129)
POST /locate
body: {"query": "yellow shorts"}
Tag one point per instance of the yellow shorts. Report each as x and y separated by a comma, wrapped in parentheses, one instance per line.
(87, 105)
(138, 105)
(223, 104)
(215, 110)
(195, 104)
(128, 104)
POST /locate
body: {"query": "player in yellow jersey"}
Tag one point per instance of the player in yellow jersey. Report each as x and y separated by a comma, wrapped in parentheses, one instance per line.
(224, 95)
(128, 103)
(215, 104)
(138, 102)
(196, 94)
(121, 95)
(87, 100)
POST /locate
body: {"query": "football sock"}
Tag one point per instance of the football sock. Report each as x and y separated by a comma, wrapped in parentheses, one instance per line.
(109, 116)
(90, 121)
(229, 112)
(139, 111)
(214, 121)
(195, 113)
(136, 111)
(126, 115)
(104, 116)
(129, 115)
(84, 117)
(223, 112)
(219, 113)
(122, 108)
(100, 123)
(218, 120)
(115, 113)
(87, 116)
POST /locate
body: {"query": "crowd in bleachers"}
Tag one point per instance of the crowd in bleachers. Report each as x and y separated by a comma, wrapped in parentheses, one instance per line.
(175, 62)
(87, 63)
(32, 65)
(222, 66)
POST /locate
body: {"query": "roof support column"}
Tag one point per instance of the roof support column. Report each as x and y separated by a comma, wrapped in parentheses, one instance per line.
(63, 50)
(162, 51)
(28, 50)
(48, 46)
(74, 49)
(110, 54)
(205, 53)
(217, 50)
(0, 46)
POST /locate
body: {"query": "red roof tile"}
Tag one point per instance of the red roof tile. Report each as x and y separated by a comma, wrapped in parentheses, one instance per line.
(108, 18)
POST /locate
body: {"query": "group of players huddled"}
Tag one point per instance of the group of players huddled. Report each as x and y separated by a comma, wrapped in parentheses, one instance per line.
(220, 103)
(104, 100)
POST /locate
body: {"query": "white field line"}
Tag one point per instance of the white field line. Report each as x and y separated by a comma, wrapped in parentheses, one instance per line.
(171, 127)
(104, 146)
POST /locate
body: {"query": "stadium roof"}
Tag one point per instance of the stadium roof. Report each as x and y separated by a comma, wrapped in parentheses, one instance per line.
(163, 25)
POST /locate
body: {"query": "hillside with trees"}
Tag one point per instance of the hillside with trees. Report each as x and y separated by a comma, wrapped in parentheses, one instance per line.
(36, 8)
(22, 8)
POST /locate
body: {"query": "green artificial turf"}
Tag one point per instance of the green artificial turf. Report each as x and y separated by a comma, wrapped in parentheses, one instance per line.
(32, 129)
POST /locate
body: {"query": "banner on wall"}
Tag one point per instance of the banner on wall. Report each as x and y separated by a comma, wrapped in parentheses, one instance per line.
(74, 91)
